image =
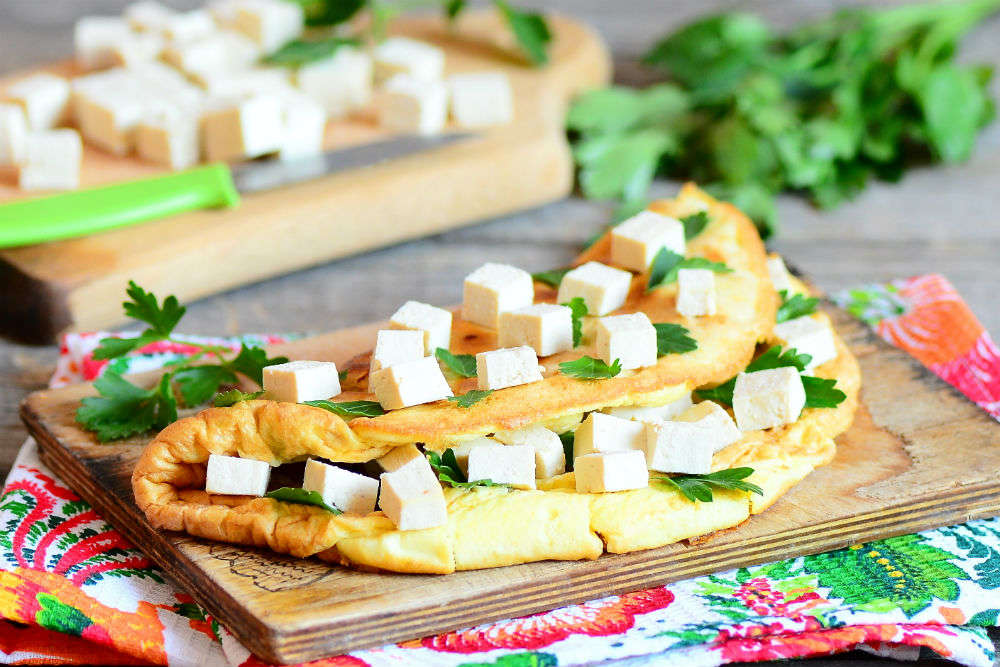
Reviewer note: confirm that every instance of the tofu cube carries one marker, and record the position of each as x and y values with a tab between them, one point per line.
108	111
481	99
94	37
304	127
401	55
44	98
135	48
810	335
695	292
51	161
768	398
13	135
348	491
240	83
434	322
462	449
503	464
676	446
170	136
394	346
611	471
233	476
269	23
493	289
404	455
412	498
652	412
411	105
147	15
635	242
600	433
629	338
189	26
716	420
242	128
299	381
544	327
209	57
341	83
779	274
409	383
601	287
550	457
507	367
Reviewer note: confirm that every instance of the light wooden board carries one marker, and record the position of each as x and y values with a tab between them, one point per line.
52	287
919	455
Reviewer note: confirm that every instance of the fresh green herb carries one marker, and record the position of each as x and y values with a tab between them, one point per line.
288	494
227	399
529	28
579	311
123	409
773	357
552	277
694	224
699	487
567	439
349	409
460	364
298	52
470	398
667	263
448	471
796	306
589	368
822	392
673	339
342	375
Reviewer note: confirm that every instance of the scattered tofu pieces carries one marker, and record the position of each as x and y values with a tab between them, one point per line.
629	338
409	383
170	136
402	55
695	292
233	476
412	498
550	457
51	160
242	128
13	135
433	321
94	38
503	464
481	99
412	105
652	412
269	23
601	433
544	327
779	273
462	449
44	98
677	446
348	491
341	83
493	289
810	334
635	242
507	367
601	287
394	346
299	381
768	398
611	471
397	457
716	420
304	126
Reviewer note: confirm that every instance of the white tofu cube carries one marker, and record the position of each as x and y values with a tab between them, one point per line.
147	15
462	449
394	346
210	57
304	127
170	136
600	433
108	109
544	327
507	367
233	476
695	292
652	412
434	322
401	55
629	338
611	471
769	398
237	83
44	98
348	491
413	499
503	464
136	48
493	289
242	128
779	274
716	420
189	26
13	135
51	161
601	287
341	83
299	381
676	446
409	383
404	455
810	335
635	242
550	457
94	37
223	11
414	106
269	23
481	99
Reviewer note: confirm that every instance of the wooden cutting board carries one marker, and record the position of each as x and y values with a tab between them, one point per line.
918	456
75	284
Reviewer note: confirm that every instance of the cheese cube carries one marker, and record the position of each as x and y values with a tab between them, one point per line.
503	464
602	288
147	15
209	57
265	81
481	99
780	276
695	292
434	322
94	37
401	55
462	449
409	383
269	23
189	26
507	367
13	135
169	136
413	499
716	420
769	398
341	83
135	48
544	327
635	242
550	457
242	128
611	471
810	335
404	455
233	476
411	105
600	433
223	11
652	412
44	98
51	161
629	338
108	115
304	127
299	381
348	491
676	446
493	289
394	346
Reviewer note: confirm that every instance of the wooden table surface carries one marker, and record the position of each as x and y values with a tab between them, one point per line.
941	220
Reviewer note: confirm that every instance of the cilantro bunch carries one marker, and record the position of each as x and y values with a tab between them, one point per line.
818	110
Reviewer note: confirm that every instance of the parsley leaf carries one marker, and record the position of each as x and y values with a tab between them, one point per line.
112	348
589	368
288	494
822	392
774	357
448	471
144	307
199	383
694	224
251	361
673	339
699	487
567	439
123	409
667	263
552	277
460	364
796	306
227	399
470	398
350	408
579	310
530	30
298	52
452	8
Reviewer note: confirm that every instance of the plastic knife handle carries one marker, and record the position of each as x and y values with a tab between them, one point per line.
94	210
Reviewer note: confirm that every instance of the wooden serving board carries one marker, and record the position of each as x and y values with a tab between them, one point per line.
919	455
75	284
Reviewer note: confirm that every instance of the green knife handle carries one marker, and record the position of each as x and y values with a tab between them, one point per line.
97	209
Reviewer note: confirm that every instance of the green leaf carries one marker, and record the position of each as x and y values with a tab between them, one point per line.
299	52
251	362
288	494
616	109
567	439
470	398
452	8
773	357
122	409
667	263
552	277
622	166
954	105
460	364
698	488
144	307
329	12
230	398
349	409
199	383
579	311
448	471
673	339
694	224
822	392
530	30
589	368
798	305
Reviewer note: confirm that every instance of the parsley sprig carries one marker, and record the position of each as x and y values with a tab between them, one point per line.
470	398
694	224
227	399
698	488
350	409
460	364
578	308
289	494
795	306
667	263
589	368
448	471
552	277
673	339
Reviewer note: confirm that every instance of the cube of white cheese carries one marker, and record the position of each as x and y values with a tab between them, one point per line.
768	398
13	135
51	161
411	105
299	381
544	327
434	322
269	23
413	499
348	491
210	57
170	136
809	334
136	48
780	277
601	287
462	449
601	433
611	471
341	83
304	127
695	292
234	476
493	289
409	383
629	338
394	346
481	99
652	412
147	15
109	108
716	420
242	128
189	26
94	37
507	367
550	457
635	242
503	464
402	55
44	98
397	457
676	446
